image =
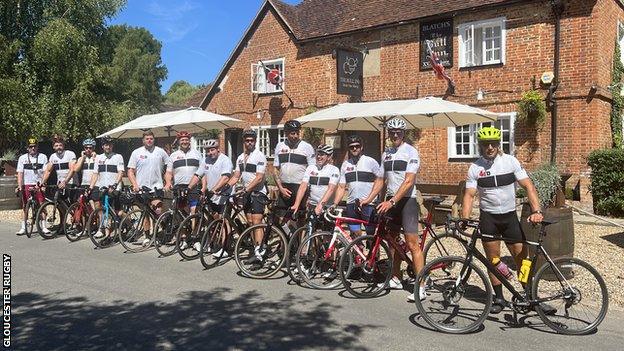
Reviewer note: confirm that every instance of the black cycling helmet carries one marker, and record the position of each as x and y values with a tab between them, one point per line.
250	133
292	126
107	140
354	139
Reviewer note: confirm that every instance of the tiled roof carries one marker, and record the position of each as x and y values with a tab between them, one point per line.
196	99
317	18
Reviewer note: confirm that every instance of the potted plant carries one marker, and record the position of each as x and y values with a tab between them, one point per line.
532	108
9	162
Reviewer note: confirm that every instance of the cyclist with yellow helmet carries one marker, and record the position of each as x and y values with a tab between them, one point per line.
494	176
30	168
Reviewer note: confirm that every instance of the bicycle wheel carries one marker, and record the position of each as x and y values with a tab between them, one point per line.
50	221
217	243
135	231
267	259
189	235
318	259
444	245
102	229
31	219
165	232
576	290
291	259
366	267
459	295
75	222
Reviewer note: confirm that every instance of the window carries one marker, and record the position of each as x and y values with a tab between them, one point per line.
268	137
259	82
621	39
482	43
462	141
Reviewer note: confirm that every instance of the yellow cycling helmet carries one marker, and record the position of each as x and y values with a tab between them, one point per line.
32	141
489	134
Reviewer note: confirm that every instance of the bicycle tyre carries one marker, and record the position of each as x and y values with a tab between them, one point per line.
213	242
73	230
564	264
131	234
448	297
276	247
31	218
94	223
49	207
191	236
307	264
352	267
165	231
454	246
291	258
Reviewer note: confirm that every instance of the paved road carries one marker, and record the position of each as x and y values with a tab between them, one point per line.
70	296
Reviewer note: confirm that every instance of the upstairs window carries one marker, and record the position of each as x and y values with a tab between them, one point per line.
259	80
482	43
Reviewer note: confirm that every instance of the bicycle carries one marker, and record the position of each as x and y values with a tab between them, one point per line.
32	207
139	224
52	212
77	215
559	281
104	222
168	223
367	259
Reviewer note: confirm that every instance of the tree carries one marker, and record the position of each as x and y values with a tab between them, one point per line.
179	92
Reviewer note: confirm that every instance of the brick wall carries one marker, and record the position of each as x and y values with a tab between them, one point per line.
588	35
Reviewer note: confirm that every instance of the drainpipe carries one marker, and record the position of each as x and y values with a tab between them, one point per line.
557	8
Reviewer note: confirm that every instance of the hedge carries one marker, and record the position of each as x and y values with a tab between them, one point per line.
607	181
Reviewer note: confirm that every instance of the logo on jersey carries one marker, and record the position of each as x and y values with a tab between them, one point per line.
484	173
143	157
313	173
349	169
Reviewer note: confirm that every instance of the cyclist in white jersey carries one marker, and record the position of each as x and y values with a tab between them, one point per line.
30	173
358	173
321	179
217	172
107	173
292	157
62	162
86	162
493	176
145	169
250	168
400	163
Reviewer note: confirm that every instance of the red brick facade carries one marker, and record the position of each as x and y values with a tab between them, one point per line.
588	36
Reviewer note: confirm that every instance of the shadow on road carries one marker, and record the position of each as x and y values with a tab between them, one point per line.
197	320
616	238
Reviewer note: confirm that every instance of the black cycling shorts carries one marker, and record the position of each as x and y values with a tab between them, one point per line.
283	203
506	225
405	214
254	203
113	198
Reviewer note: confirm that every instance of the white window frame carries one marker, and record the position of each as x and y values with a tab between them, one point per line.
620	34
263	142
259	83
466	41
472	141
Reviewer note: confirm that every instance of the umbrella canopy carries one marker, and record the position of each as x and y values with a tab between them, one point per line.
194	120
426	112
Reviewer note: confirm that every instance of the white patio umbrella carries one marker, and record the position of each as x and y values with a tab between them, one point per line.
193	120
426	112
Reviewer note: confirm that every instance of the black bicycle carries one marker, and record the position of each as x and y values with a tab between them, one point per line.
568	294
32	211
52	213
168	223
104	222
139	224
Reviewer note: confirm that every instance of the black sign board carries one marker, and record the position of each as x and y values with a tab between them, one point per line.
350	69
439	33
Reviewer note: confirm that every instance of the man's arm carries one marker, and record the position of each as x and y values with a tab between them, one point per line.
234	178
303	187
340	191
536	215
20	180
469	196
378	185
255	182
132	178
327	195
46	174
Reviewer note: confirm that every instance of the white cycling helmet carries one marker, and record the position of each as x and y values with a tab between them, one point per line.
326	149
396	123
210	143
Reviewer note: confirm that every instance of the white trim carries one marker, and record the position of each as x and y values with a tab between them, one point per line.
258	74
261	130
474	153
462	28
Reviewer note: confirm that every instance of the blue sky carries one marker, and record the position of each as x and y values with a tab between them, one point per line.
197	35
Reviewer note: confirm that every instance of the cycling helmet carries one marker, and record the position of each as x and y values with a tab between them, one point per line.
107	140
183	134
250	133
210	143
354	139
32	141
489	134
325	149
88	142
291	126
396	123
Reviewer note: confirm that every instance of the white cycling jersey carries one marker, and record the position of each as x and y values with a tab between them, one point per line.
149	166
32	168
396	162
319	179
249	165
292	162
495	180
107	168
60	164
214	169
184	165
359	175
88	165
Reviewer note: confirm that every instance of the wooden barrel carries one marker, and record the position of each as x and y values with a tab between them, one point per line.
559	239
8	200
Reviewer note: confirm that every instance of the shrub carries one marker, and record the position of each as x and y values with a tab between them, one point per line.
546	179
607	181
532	108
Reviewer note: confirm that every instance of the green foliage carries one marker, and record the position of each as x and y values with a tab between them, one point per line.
9	155
546	179
617	104
607	181
531	108
179	92
314	136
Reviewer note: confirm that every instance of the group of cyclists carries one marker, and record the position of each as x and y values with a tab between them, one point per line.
307	180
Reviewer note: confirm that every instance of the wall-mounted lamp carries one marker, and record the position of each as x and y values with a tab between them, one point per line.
480	94
259	114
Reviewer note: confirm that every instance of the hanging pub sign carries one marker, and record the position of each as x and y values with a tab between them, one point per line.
439	33
350	72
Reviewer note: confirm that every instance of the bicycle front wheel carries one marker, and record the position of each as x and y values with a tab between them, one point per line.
291	259
576	290
260	259
366	267
31	218
75	222
101	228
50	222
318	260
136	231
189	235
444	245
458	298
165	232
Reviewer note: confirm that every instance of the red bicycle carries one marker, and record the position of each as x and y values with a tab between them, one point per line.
77	215
366	263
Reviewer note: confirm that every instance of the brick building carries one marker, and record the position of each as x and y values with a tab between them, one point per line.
498	50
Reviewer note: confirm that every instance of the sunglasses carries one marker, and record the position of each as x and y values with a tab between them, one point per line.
250	141
355	146
493	144
321	154
88	147
32	146
396	132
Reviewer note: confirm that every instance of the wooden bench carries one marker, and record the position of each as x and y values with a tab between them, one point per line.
434	194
